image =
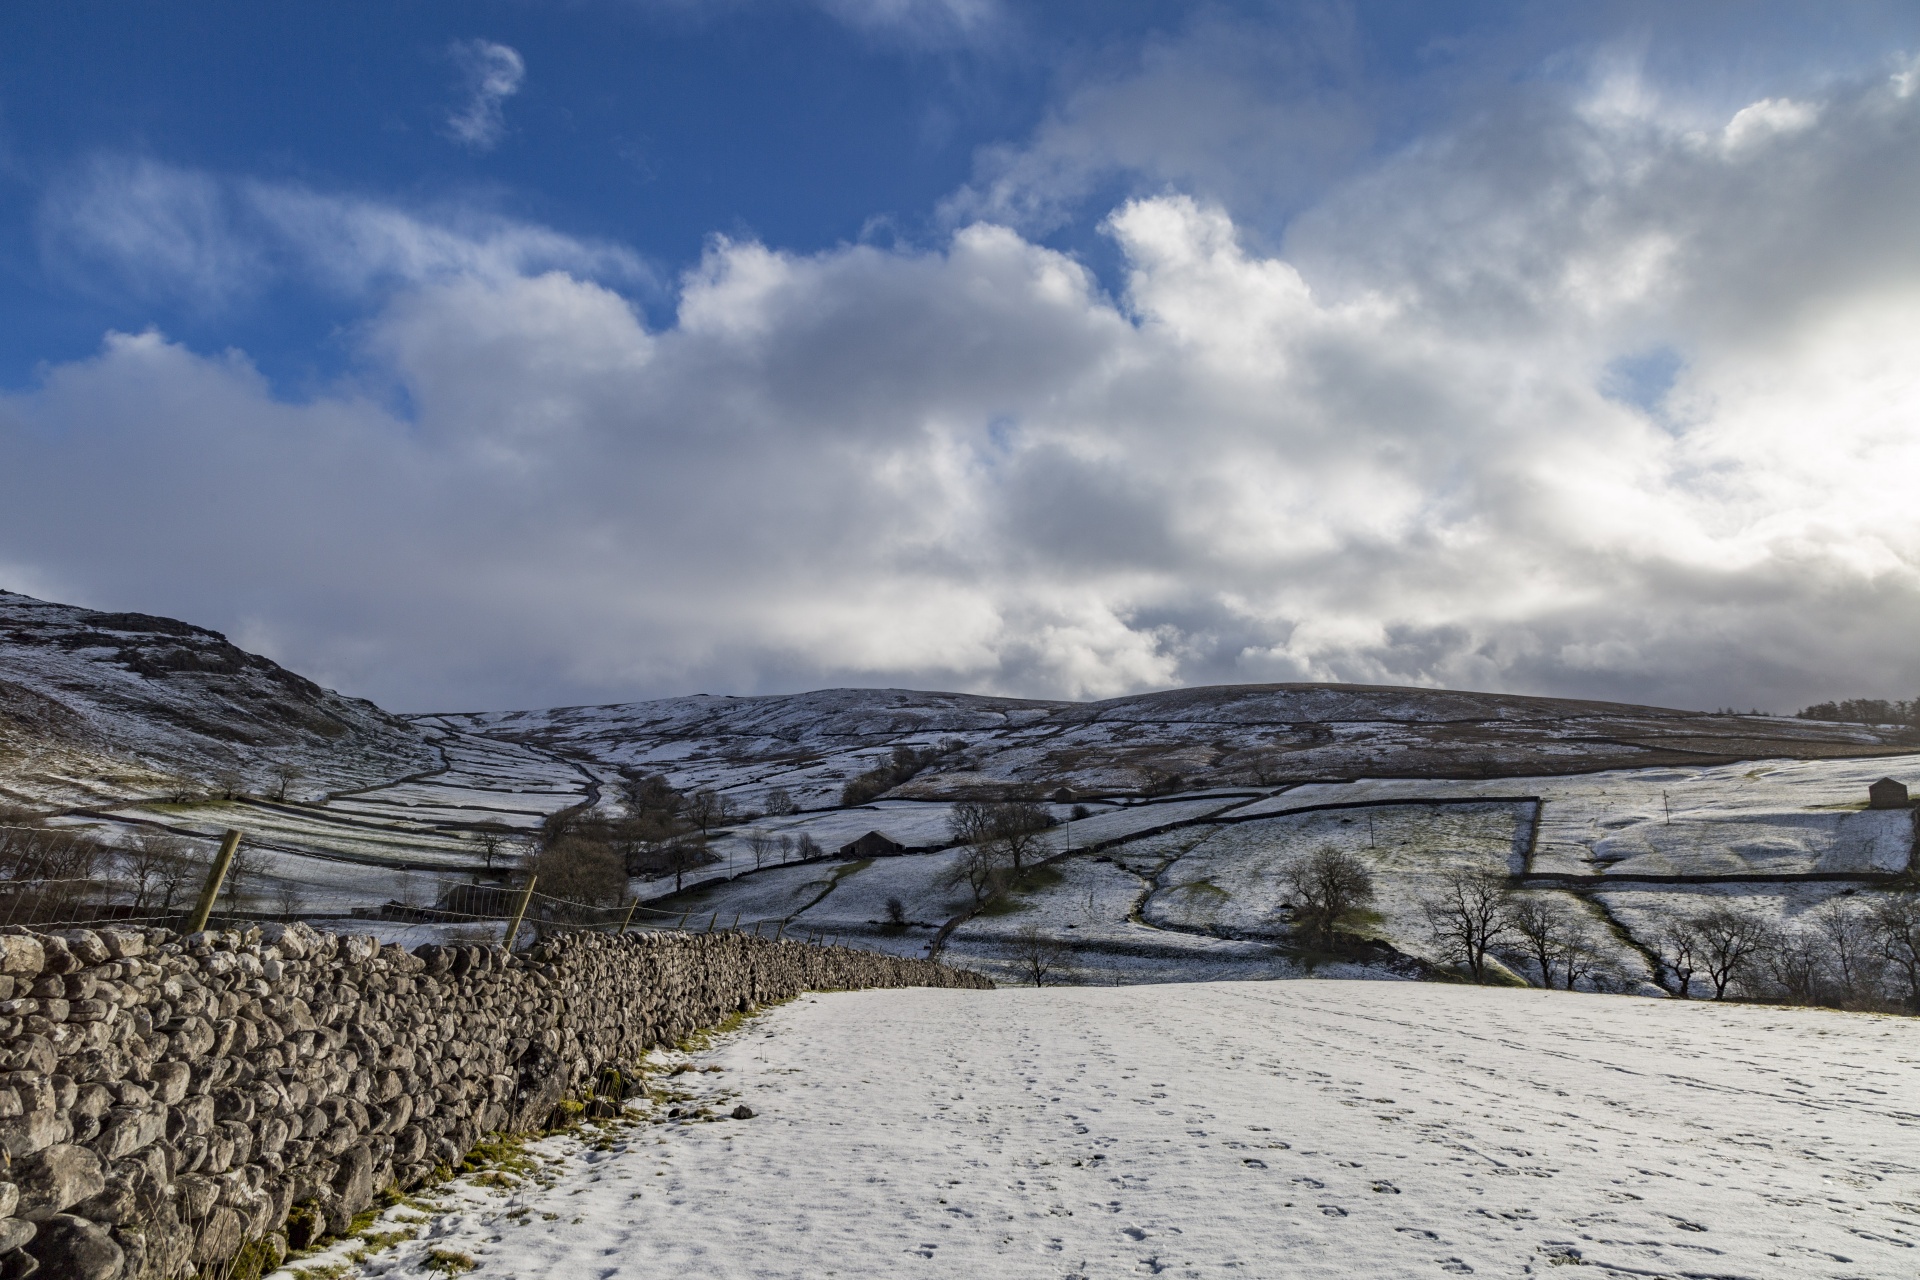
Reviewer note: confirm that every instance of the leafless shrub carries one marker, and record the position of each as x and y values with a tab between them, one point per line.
778	802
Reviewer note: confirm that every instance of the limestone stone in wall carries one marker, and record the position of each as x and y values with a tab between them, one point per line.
166	1101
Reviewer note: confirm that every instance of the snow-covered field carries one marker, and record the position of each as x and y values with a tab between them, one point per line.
1291	1129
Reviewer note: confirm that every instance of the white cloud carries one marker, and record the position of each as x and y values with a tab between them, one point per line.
1393	450
490	74
150	230
927	21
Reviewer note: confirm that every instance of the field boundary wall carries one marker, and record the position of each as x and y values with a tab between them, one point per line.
169	1105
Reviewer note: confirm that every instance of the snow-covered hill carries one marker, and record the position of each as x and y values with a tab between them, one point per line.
100	707
1234	735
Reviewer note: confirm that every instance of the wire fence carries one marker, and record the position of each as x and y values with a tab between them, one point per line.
59	878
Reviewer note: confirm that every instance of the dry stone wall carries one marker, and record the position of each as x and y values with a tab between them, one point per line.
170	1104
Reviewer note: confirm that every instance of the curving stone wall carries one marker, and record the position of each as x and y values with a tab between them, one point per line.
167	1103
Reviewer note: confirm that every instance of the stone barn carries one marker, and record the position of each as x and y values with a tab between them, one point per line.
1887	794
874	844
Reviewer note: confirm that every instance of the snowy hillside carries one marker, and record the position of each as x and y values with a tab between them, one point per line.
1238	735
98	707
1299	1129
1190	886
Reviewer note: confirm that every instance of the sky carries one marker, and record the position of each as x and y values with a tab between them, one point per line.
503	354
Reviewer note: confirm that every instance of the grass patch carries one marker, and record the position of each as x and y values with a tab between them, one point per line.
1032	880
501	1153
449	1262
1206	889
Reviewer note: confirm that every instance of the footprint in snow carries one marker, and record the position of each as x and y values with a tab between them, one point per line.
1333	1211
1251	1163
1311	1184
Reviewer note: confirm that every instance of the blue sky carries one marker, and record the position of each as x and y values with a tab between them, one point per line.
1064	349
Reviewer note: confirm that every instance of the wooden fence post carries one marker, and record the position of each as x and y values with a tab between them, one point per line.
629	920
520	911
229	845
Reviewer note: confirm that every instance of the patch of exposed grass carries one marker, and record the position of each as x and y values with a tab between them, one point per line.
449	1262
1205	889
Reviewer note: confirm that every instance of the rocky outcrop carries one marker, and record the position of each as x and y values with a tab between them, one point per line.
167	1102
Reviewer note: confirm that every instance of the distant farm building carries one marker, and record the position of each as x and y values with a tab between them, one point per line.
1887	794
876	845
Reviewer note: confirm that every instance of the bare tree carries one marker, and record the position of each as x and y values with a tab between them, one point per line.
1896	919
786	848
1326	886
157	868
1853	954
243	876
229	784
1586	961
707	809
778	802
493	839
896	912
288	900
1796	962
985	868
1680	951
581	870
807	848
762	846
683	855
1544	931
1468	917
1041	956
284	776
1015	828
1732	942
649	793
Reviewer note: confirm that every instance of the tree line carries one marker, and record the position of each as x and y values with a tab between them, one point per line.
1864	711
1849	953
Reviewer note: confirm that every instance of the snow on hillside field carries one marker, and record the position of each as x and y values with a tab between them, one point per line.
1224	736
1759	817
1286	1130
